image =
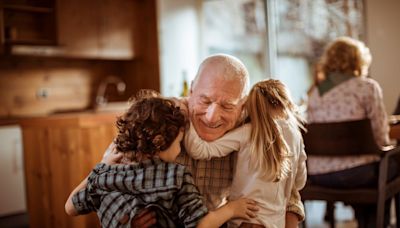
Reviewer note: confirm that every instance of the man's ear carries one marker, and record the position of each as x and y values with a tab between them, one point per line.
243	100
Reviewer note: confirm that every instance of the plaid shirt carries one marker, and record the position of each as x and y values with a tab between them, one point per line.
212	177
119	190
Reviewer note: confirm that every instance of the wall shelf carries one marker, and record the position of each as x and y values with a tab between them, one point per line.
32	9
27	23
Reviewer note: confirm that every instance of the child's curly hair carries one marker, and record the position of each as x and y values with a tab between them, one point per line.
149	126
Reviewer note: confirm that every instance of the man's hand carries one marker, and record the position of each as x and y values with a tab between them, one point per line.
144	219
112	158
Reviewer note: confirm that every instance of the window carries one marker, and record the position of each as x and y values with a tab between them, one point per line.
237	28
302	29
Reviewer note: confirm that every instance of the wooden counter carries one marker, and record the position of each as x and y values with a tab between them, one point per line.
59	152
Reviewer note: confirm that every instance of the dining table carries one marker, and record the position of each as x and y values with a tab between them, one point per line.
394	122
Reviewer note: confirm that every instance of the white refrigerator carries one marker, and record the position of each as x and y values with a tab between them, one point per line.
12	197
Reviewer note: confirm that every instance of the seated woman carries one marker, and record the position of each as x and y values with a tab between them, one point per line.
342	92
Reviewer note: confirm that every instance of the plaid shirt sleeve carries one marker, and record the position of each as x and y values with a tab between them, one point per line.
190	203
82	202
86	201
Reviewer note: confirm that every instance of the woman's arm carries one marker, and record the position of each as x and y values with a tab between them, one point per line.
376	112
201	149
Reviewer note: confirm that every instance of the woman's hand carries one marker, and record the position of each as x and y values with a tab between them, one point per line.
243	208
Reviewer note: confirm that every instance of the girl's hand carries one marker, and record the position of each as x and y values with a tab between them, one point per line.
243	208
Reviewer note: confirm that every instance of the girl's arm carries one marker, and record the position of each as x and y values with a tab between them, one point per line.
192	211
201	149
241	208
295	208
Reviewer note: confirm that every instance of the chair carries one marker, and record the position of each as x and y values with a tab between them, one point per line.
351	138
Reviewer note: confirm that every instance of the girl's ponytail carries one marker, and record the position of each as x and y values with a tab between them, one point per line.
268	101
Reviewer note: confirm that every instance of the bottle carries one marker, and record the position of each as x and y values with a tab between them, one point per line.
185	87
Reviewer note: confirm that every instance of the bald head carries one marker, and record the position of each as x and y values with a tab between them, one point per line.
217	95
228	68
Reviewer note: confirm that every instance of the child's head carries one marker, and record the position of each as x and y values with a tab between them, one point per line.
153	125
270	96
269	100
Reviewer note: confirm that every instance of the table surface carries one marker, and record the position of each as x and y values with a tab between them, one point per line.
394	121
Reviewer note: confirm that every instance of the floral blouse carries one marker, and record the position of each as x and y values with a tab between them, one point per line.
354	99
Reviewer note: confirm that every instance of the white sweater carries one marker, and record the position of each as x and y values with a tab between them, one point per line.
272	197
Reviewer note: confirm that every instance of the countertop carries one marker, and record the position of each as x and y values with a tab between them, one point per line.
85	118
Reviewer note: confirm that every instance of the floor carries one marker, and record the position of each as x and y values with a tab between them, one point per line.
14	221
315	213
344	215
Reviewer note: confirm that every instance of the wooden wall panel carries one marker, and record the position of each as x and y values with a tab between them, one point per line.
70	84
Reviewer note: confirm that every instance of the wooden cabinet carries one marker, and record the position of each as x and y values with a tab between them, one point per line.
89	29
24	22
59	152
98	29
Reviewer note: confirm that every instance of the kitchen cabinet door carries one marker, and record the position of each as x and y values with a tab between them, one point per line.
116	29
59	154
96	29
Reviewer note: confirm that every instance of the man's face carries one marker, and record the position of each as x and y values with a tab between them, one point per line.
215	104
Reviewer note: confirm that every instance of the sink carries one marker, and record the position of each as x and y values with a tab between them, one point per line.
119	106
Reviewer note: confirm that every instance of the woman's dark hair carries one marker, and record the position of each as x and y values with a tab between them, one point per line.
149	126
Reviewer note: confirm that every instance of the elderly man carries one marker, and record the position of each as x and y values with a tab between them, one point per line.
215	105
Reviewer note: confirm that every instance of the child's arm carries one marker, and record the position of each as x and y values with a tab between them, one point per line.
201	149
241	208
80	195
69	205
192	211
295	208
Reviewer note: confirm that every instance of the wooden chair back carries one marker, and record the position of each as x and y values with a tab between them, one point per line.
351	138
340	138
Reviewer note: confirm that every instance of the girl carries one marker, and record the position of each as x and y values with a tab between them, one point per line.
271	159
149	135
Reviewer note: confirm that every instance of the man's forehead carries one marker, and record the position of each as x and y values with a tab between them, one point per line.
221	99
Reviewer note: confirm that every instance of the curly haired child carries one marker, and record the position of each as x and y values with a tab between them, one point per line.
149	135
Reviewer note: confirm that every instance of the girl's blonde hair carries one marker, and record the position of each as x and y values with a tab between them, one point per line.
270	100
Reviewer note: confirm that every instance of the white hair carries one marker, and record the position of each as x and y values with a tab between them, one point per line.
231	67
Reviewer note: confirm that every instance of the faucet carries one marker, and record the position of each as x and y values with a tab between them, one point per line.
101	91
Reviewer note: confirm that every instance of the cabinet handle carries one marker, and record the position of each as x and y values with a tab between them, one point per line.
17	156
